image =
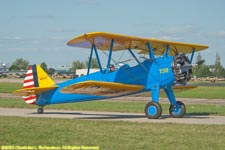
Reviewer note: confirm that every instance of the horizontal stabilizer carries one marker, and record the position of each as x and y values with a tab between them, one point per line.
101	88
33	90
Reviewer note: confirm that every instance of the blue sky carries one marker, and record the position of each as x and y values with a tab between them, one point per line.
38	30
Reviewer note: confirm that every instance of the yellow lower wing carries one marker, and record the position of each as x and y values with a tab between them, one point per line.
179	88
101	88
33	91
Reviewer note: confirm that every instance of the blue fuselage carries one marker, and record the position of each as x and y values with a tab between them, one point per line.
148	74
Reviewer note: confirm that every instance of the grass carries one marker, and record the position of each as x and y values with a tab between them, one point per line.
209	92
207	82
16	131
115	106
7	87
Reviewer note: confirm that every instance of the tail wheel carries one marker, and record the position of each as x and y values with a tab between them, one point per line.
40	110
153	110
178	110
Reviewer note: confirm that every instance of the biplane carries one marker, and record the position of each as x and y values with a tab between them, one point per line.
164	66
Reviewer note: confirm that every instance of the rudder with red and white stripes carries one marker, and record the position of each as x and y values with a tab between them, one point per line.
29	82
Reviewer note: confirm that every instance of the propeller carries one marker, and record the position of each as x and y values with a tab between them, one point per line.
198	63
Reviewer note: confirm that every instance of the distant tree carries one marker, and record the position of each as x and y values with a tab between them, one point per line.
204	71
197	69
199	58
19	64
218	68
94	63
77	65
51	71
44	66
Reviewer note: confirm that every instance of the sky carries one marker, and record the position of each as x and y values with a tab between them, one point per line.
38	31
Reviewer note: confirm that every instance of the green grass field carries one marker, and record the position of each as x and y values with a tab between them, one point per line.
18	131
6	87
108	134
209	92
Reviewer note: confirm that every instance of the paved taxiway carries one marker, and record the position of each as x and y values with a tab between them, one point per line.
112	116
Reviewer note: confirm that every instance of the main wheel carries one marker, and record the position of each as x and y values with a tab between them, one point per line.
178	110
40	110
153	110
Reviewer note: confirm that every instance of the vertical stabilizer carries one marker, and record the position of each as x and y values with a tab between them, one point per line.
35	77
29	83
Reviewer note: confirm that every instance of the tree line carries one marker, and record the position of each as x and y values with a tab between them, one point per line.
201	70
22	64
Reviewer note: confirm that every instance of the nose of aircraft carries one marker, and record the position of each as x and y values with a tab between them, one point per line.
182	68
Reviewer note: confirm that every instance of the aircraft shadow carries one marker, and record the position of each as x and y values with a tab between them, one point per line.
202	113
97	116
110	116
59	113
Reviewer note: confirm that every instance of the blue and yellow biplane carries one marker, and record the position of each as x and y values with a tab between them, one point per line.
166	65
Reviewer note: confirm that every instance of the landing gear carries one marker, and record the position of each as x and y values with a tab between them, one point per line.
153	110
40	110
178	110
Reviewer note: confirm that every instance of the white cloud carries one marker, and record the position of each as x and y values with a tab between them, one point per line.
178	30
170	38
41	17
11	38
62	30
58	38
88	2
22	49
220	34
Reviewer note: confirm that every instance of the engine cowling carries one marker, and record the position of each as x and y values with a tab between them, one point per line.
182	68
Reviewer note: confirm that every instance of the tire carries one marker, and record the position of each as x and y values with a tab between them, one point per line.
153	110
40	110
178	110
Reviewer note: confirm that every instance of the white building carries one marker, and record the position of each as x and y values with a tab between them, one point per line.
81	72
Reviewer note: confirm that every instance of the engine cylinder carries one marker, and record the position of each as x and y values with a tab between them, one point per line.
182	68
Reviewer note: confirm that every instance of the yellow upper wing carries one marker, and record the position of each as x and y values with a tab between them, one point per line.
102	41
101	88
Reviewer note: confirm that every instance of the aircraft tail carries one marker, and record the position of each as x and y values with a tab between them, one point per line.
37	77
36	81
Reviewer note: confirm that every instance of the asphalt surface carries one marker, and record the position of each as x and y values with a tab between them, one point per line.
113	116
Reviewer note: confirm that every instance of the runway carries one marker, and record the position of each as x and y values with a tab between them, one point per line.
113	116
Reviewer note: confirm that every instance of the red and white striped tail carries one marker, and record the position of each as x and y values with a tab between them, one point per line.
29	83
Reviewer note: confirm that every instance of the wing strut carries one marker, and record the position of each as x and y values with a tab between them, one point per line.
110	54
93	48
192	55
137	60
96	53
167	50
90	58
151	53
